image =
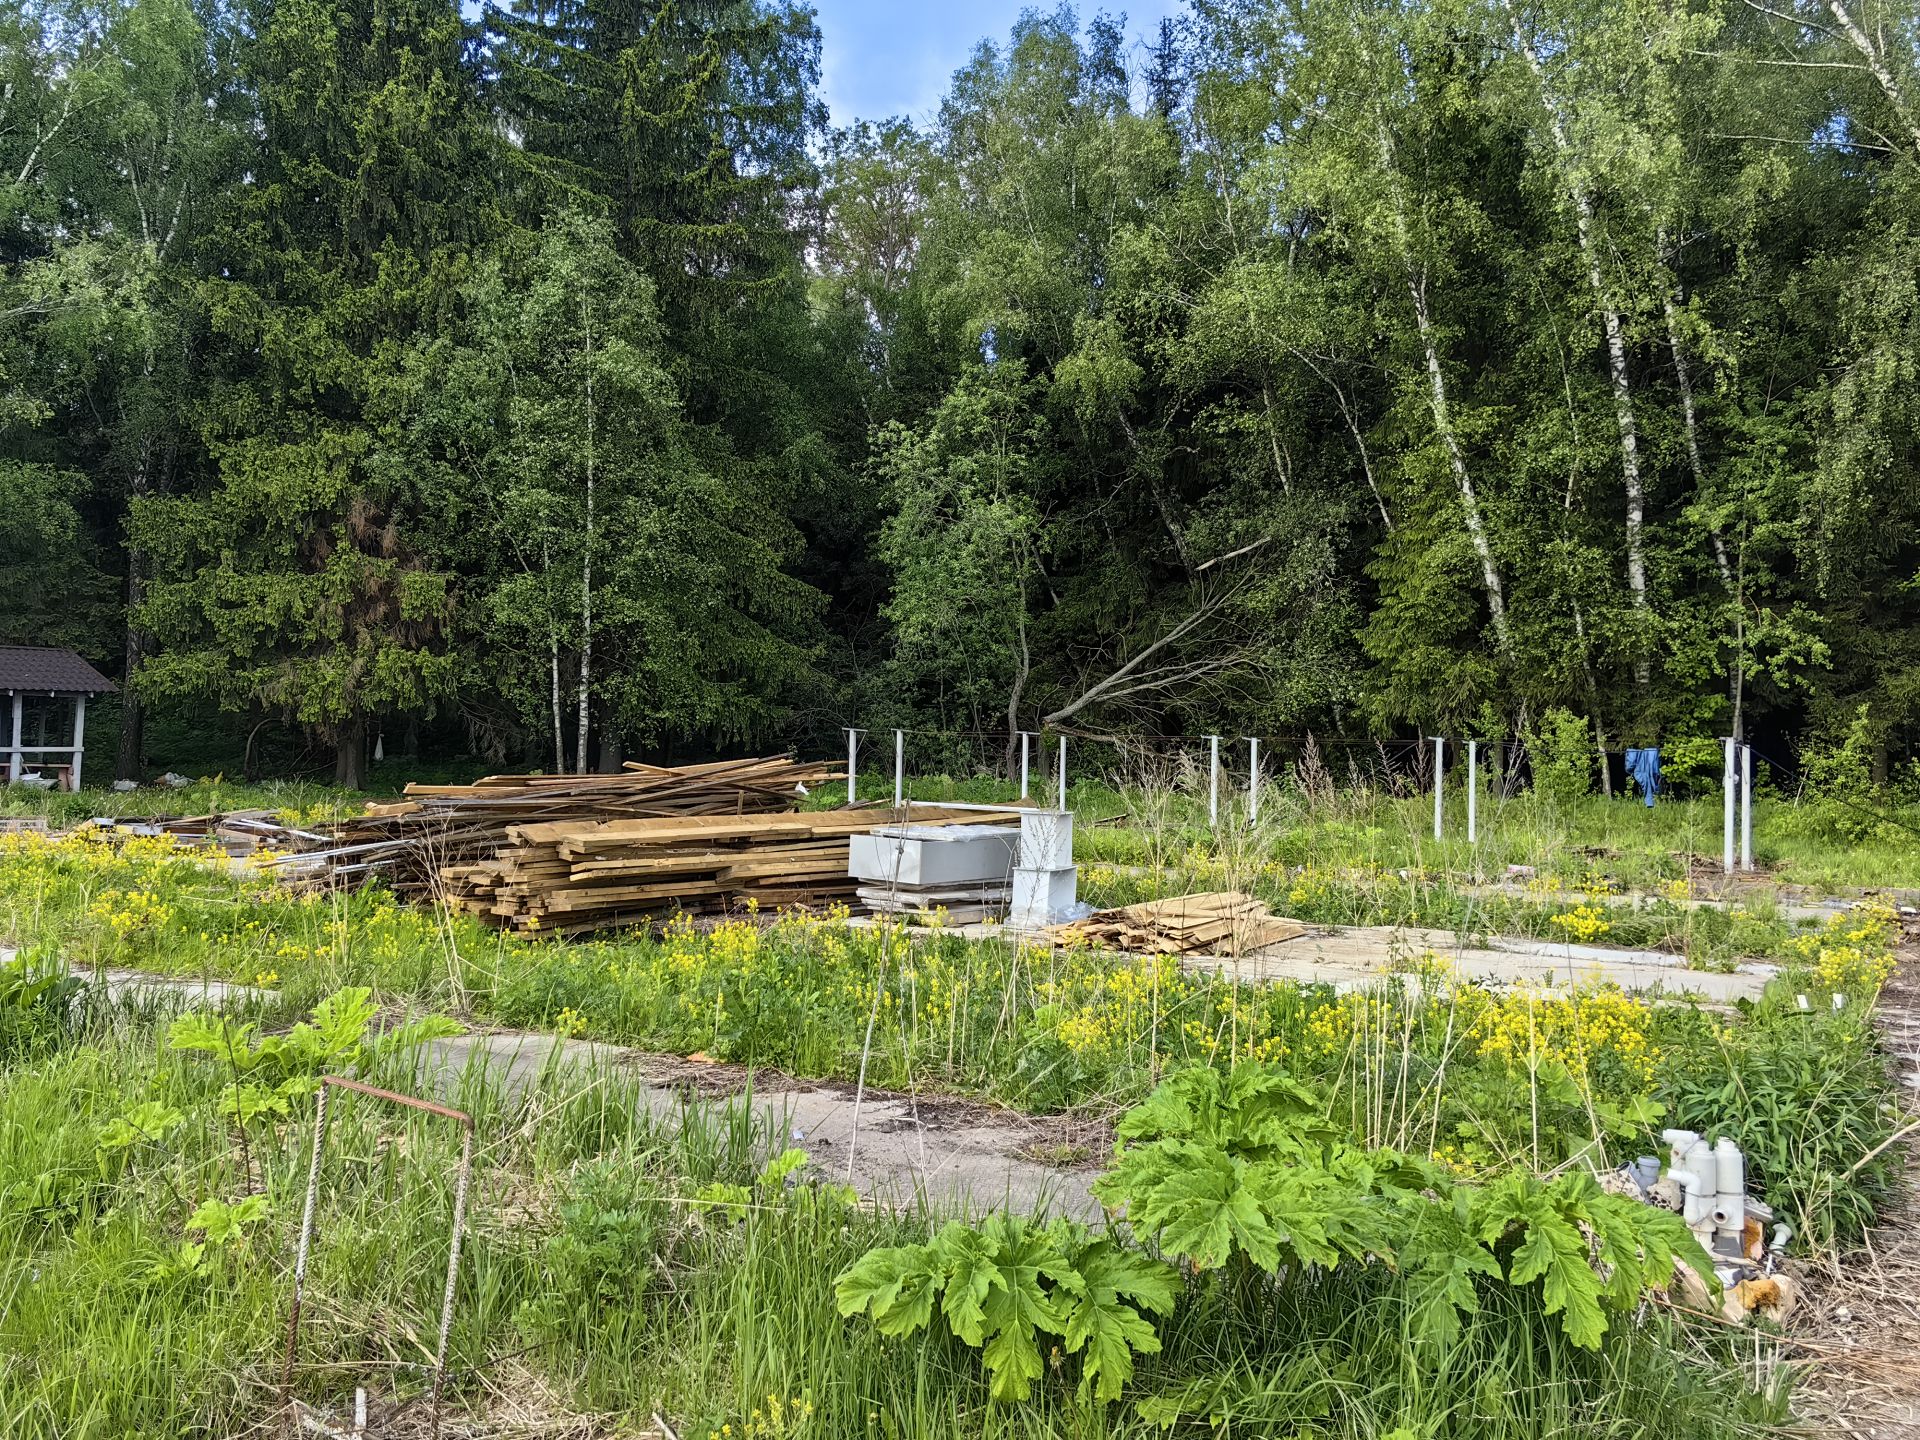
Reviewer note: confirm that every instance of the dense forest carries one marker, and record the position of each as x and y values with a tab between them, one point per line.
550	383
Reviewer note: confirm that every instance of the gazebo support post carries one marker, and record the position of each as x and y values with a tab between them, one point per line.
79	739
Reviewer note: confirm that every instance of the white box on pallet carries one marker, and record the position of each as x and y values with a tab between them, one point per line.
936	855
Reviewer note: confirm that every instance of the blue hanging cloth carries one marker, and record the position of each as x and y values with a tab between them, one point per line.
1643	768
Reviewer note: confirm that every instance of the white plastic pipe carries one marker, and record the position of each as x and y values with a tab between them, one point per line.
1729	782
1439	789
1026	761
80	740
853	756
899	768
1062	805
1213	781
1473	791
1746	807
1253	780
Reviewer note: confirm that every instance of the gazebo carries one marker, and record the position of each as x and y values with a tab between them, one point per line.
47	691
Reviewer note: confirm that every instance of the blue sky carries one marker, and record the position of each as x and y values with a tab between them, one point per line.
895	57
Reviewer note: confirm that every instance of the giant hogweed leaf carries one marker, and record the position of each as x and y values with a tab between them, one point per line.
339	1026
1639	1246
1204	1209
1440	1256
971	1266
1321	1216
215	1035
1247	1112
1553	1251
1101	1321
1014	1309
895	1285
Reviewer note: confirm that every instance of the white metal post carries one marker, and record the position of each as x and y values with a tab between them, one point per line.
1213	781
1062	805
80	740
1746	807
1729	782
899	768
1439	790
13	757
1473	791
1253	780
853	756
1026	762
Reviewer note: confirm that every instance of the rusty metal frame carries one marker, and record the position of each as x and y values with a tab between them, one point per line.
329	1083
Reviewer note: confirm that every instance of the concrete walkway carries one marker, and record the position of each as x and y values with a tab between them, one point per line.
1354	957
896	1150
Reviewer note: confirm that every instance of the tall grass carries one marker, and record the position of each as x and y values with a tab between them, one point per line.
593	1283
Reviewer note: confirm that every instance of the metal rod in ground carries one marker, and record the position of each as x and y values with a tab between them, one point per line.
1746	807
301	1251
460	1187
1213	781
1062	805
1729	781
1473	791
853	756
899	768
1439	787
1253	780
1026	762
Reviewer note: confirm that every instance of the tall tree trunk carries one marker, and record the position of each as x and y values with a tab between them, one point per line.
1877	67
586	563
1437	396
1691	423
1631	480
131	763
1697	467
350	754
559	726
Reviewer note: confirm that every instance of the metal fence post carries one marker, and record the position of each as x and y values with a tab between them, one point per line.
1213	781
1253	780
1729	783
1473	791
1439	788
853	755
899	768
1746	807
1062	802
1026	761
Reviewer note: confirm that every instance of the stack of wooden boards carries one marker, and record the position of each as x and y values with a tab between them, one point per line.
409	841
569	877
1224	922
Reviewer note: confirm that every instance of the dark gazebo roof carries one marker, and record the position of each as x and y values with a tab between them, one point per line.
50	671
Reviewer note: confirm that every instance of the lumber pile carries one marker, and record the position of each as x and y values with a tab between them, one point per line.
572	877
1223	921
409	841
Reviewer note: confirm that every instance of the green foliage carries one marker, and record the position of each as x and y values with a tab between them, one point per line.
38	1003
1839	802
1561	753
223	1229
1003	1285
271	1073
1242	1167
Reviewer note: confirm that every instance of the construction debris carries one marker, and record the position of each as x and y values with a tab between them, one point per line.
1226	921
408	842
572	877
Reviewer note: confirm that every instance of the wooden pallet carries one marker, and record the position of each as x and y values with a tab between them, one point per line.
1224	921
572	877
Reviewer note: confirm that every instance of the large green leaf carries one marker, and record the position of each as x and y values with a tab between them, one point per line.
895	1285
